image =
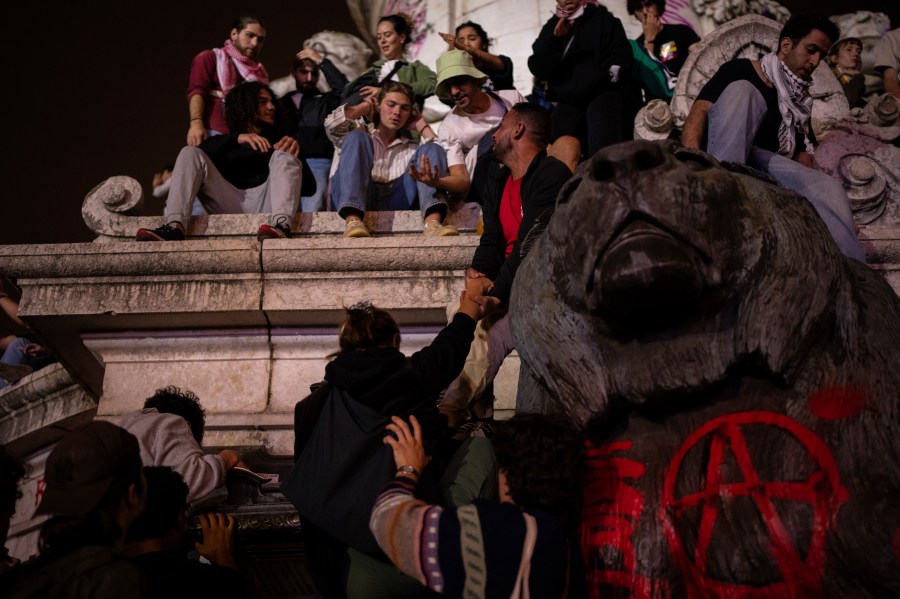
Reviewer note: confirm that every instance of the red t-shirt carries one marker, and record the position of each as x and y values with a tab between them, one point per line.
511	212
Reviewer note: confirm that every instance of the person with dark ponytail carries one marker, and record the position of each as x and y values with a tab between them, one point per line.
342	462
393	35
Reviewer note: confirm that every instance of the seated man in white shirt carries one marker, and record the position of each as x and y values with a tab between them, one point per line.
465	133
376	161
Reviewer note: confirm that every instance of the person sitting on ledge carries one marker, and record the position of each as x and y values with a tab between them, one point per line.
376	161
523	546
253	169
170	430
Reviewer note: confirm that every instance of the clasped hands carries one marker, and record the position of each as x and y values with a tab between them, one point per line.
261	144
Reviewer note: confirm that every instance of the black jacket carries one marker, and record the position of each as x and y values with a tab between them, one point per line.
387	381
576	76
307	125
542	181
342	461
244	167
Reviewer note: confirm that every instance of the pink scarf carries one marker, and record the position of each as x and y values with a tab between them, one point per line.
574	13
230	62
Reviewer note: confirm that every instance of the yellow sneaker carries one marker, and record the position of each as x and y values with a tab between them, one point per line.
435	229
356	228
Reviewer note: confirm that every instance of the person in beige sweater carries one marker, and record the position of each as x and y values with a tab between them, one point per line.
170	430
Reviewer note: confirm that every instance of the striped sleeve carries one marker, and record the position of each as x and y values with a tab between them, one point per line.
406	529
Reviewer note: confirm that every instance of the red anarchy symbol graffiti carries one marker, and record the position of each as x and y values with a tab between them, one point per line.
822	491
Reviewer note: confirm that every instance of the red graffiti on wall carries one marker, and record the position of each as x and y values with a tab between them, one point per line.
39	492
822	491
612	511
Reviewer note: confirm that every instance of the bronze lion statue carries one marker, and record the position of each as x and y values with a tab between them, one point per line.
739	377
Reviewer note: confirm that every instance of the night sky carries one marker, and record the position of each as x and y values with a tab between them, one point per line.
104	88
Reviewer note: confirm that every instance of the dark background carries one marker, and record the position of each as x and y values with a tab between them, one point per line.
99	90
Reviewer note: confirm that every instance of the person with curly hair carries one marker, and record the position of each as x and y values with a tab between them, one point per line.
523	546
253	169
170	430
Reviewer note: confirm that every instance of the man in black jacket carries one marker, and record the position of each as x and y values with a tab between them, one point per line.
518	187
303	113
584	58
252	169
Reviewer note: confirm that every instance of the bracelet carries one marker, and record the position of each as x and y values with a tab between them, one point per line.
653	41
408	470
196	119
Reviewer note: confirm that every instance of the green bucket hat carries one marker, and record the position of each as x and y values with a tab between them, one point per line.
455	63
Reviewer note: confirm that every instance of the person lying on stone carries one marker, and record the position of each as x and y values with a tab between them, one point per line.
523	546
376	161
252	169
170	430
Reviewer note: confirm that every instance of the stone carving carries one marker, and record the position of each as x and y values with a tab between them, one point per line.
750	36
365	14
713	13
654	121
739	375
108	211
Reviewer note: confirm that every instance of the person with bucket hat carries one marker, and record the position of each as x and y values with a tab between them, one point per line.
94	489
476	113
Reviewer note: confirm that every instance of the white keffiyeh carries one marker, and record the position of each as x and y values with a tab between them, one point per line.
794	104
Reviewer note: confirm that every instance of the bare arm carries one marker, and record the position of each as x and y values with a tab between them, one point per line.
196	131
456	182
695	124
891	85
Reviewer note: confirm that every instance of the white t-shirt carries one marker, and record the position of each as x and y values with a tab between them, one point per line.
460	132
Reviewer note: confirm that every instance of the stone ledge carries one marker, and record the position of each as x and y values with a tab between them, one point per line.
38	410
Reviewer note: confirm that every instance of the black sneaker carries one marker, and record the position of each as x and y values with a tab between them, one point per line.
165	233
280	230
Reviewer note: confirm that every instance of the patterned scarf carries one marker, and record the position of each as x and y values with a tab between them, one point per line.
573	13
794	104
230	62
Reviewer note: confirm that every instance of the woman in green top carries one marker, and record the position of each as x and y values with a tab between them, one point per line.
393	35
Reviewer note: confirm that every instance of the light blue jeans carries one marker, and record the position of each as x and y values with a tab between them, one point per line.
320	168
15	354
352	187
733	122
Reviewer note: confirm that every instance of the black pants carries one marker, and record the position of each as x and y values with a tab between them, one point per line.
601	124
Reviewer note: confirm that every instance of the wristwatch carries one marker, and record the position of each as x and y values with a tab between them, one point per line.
408	470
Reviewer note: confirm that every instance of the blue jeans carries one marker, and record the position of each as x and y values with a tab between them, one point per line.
733	122
15	354
352	187
320	168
